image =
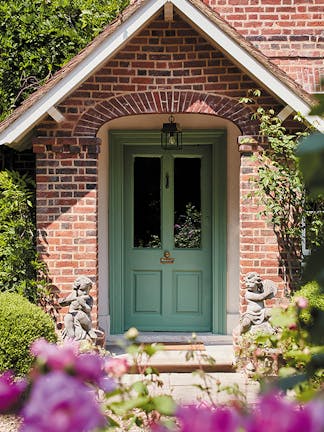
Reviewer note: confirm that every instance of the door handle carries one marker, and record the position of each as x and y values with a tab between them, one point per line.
167	181
166	259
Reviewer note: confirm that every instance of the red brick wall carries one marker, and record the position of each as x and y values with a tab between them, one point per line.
167	67
258	245
289	32
163	58
66	195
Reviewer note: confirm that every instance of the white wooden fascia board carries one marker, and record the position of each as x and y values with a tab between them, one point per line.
109	46
255	68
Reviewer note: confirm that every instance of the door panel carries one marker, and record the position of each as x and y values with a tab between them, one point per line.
188	292
147	291
167	236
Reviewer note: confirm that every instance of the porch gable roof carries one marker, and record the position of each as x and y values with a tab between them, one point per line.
116	35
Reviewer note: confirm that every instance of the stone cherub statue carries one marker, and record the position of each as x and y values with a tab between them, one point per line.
77	321
257	315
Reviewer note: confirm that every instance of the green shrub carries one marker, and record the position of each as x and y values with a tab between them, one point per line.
21	323
20	266
311	291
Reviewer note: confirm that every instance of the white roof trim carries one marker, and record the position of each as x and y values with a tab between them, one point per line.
15	131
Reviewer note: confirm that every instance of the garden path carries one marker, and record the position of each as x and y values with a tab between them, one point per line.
176	371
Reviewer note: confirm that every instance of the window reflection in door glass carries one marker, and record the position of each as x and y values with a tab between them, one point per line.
147	202
187	203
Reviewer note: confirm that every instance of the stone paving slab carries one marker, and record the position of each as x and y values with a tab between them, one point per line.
184	390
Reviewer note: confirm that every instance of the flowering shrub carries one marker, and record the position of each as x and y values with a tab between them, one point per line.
72	391
292	352
273	413
10	391
64	391
61	403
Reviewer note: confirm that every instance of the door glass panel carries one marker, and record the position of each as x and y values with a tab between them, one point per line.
147	202
187	203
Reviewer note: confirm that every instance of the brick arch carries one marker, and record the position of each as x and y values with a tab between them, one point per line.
159	102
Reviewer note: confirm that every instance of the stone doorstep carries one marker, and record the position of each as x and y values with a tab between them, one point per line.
174	361
175	337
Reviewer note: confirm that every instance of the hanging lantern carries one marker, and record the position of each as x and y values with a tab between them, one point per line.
171	135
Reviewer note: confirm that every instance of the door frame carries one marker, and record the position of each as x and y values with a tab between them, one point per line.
118	139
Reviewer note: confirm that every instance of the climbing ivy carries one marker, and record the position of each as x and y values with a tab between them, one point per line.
37	37
281	191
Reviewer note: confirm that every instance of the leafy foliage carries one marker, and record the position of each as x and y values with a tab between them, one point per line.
188	228
291	178
315	299
19	263
37	37
281	191
20	324
310	149
290	352
300	351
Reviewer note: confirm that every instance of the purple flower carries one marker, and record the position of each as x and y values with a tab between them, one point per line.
315	410
61	403
196	419
89	367
56	357
10	391
275	413
107	384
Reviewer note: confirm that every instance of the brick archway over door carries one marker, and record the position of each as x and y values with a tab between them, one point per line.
159	102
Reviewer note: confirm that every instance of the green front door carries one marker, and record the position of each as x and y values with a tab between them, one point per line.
167	239
167	232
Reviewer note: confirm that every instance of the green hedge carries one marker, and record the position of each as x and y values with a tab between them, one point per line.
21	322
311	291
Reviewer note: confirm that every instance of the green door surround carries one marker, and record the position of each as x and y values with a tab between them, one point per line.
118	140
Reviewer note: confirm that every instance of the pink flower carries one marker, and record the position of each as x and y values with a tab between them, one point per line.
156	427
10	391
61	403
301	302
56	357
293	326
116	366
